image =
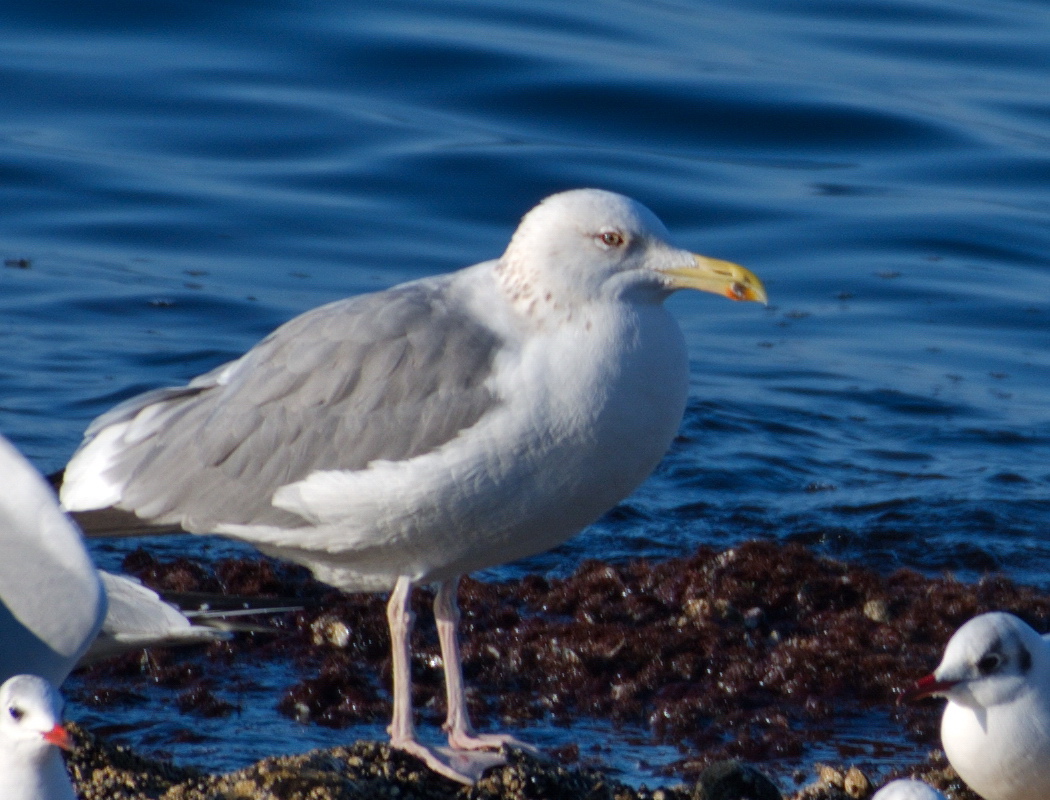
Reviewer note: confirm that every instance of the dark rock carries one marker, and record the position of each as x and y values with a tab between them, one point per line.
734	780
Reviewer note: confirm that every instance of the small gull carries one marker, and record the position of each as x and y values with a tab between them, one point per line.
31	768
52	603
413	435
56	609
907	789
996	726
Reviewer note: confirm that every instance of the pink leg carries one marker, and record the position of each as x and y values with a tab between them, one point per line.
400	618
461	735
461	768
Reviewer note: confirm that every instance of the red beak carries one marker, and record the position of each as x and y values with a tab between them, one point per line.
59	737
924	688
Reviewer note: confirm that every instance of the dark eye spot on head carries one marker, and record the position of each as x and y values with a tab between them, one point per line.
16	713
989	663
1024	659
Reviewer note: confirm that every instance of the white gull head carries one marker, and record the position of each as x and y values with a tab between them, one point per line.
589	245
907	789
995	730
31	767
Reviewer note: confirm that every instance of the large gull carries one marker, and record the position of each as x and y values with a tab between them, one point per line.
413	435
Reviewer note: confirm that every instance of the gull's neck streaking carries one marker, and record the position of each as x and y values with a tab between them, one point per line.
560	258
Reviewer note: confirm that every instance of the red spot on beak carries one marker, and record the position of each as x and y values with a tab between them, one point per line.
59	737
924	688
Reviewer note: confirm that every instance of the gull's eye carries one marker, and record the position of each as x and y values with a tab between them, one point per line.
610	239
989	663
16	713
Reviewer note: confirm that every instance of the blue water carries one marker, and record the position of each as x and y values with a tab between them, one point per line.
177	178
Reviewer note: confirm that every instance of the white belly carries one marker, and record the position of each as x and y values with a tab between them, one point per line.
1000	754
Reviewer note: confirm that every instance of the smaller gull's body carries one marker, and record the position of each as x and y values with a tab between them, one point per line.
31	733
996	726
907	789
52	603
56	609
442	426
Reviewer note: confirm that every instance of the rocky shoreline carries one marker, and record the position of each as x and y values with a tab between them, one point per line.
744	656
371	770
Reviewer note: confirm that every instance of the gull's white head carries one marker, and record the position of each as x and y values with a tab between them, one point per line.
989	661
30	718
589	244
907	789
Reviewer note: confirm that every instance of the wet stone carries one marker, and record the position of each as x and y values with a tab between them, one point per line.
856	784
733	780
877	611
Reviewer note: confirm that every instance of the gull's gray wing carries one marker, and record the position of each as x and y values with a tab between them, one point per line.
387	376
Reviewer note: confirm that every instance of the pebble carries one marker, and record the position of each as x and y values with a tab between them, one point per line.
856	784
877	611
329	629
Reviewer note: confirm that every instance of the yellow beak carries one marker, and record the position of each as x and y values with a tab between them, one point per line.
719	277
